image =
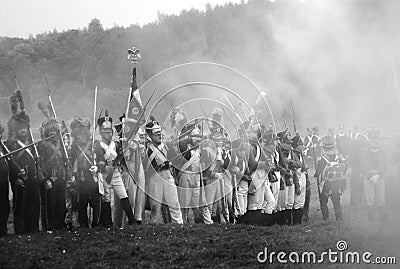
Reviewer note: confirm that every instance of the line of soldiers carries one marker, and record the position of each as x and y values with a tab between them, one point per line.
260	178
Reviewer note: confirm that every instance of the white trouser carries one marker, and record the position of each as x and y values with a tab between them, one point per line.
242	191
374	192
290	196
269	199
136	196
117	185
162	189
299	200
190	194
275	188
282	197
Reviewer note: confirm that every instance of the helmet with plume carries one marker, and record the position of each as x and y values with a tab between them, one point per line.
19	119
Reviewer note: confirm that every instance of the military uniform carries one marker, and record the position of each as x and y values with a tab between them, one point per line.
81	160
26	195
330	170
192	171
109	154
374	163
287	186
132	173
301	175
161	186
8	173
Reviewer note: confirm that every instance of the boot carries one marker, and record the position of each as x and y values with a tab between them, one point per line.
288	216
280	218
126	206
105	214
297	216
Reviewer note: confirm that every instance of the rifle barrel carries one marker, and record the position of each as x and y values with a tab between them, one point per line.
25	147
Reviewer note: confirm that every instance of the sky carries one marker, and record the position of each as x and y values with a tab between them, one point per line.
20	18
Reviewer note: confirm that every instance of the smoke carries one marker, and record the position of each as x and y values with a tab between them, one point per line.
334	60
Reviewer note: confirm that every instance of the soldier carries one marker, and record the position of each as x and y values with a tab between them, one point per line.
161	184
218	183
269	145
290	185
374	164
8	173
26	198
193	169
301	175
330	175
109	154
342	141
357	143
54	170
243	184
238	169
82	160
132	175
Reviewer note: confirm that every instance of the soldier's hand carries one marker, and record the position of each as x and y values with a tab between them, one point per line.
20	183
48	185
218	175
93	169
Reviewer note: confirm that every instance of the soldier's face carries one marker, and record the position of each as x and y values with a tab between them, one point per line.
22	134
81	137
106	135
156	138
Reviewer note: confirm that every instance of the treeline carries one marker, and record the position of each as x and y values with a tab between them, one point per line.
246	36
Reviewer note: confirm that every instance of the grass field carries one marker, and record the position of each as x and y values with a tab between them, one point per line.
154	246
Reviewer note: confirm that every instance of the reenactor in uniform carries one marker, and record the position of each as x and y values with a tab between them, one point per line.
193	169
81	160
8	173
288	186
330	173
238	169
54	170
109	154
301	175
269	145
132	175
342	142
261	201
357	143
242	161
160	182
26	194
374	163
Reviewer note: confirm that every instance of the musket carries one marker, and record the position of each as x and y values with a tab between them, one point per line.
25	147
284	113
64	149
230	118
318	182
94	124
294	117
